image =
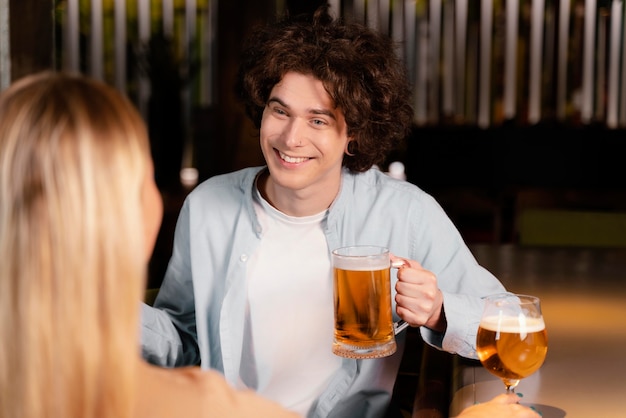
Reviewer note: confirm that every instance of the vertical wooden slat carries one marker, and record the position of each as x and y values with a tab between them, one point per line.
588	61
96	58
447	69
484	98
383	16
190	22
190	47
548	67
510	58
358	11
144	29
472	69
143	21
373	20
71	38
5	46
562	54
536	54
397	25
208	53
460	55
120	45
409	34
614	60
622	98
434	49
600	78
335	7
168	18
420	91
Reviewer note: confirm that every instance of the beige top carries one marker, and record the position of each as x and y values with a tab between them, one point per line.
191	392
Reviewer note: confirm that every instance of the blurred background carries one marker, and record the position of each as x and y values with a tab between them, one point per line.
520	105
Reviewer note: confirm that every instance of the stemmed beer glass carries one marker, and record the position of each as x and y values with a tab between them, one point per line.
512	342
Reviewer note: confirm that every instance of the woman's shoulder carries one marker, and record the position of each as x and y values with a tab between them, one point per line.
192	392
225	401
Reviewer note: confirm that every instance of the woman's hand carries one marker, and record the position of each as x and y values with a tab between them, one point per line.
502	406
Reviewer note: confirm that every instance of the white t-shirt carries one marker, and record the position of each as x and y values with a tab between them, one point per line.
287	353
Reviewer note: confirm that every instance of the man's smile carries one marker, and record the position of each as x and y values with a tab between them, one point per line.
289	159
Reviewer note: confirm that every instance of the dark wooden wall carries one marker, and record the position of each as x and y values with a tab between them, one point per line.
32	36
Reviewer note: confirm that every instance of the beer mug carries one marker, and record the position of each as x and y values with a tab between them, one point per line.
364	326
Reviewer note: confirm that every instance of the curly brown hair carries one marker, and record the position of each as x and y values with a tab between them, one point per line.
358	67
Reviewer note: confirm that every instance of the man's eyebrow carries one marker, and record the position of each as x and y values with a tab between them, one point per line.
325	112
277	100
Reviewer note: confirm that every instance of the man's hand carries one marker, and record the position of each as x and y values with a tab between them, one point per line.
418	298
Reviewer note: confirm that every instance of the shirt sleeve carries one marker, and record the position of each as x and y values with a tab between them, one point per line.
169	336
463	282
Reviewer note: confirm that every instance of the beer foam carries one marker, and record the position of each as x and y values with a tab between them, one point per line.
512	324
360	263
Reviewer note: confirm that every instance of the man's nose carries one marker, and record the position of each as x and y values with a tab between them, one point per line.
294	132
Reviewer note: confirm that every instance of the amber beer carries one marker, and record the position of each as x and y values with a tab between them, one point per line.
510	348
362	296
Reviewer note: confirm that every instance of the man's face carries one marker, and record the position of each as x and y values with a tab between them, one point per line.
303	137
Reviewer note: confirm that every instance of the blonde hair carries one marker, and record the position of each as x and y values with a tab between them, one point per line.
73	155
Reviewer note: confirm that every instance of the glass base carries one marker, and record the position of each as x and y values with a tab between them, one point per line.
364	351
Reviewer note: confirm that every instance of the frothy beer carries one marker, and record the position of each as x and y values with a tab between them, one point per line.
363	318
512	348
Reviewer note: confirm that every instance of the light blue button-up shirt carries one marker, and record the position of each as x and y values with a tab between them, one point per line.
198	316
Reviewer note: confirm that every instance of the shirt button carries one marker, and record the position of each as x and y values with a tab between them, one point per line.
243	257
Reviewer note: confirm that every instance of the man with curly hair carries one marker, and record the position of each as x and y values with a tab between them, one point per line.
248	290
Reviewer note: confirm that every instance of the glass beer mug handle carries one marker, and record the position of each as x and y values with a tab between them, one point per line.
397	263
400	325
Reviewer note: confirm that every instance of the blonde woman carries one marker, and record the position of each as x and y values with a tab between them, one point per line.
79	214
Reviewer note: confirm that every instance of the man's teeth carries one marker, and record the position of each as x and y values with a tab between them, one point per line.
292	159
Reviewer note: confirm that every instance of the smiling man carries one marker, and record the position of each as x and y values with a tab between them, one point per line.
248	290
303	138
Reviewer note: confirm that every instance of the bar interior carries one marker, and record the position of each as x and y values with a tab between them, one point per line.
519	133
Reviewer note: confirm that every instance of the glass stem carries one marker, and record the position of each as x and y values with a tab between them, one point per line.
510	385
